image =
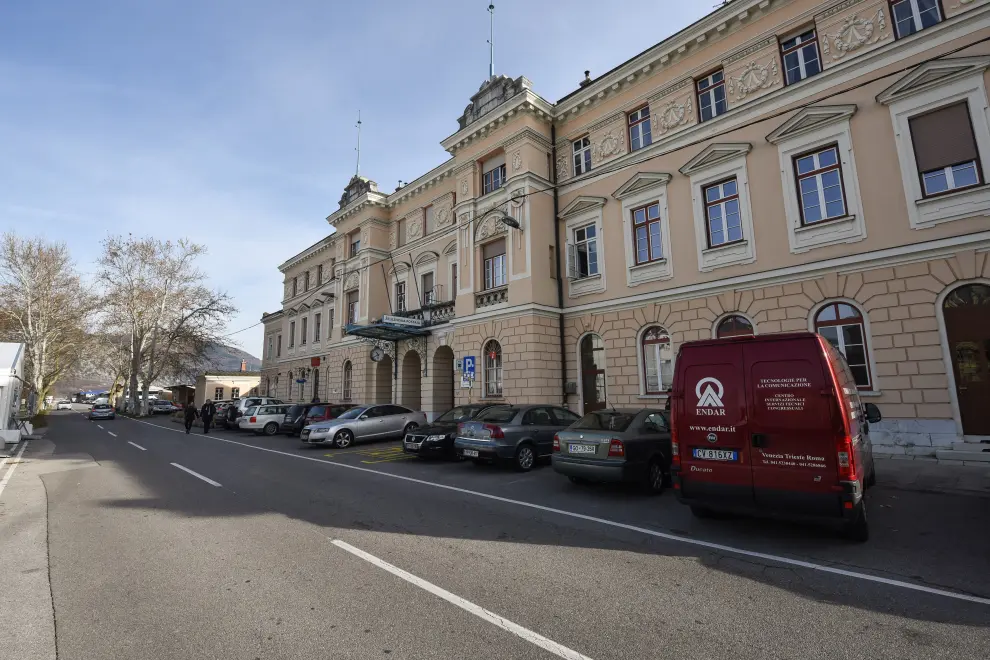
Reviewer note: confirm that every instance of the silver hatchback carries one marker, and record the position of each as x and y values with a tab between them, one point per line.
365	422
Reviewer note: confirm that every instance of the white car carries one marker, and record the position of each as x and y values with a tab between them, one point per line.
262	419
63	405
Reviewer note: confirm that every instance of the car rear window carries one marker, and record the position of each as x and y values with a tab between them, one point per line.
295	411
603	420
498	414
101	406
336	411
317	411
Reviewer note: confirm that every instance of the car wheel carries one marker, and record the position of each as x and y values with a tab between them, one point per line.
410	427
271	428
858	529
656	477
871	480
525	458
343	439
580	481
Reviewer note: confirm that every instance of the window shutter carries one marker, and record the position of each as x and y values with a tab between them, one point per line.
494	249
572	270
943	137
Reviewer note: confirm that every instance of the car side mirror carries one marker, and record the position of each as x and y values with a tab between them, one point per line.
872	413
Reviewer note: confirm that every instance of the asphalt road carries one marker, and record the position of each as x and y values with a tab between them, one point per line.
270	550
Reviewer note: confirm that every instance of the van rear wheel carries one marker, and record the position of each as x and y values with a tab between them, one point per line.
858	529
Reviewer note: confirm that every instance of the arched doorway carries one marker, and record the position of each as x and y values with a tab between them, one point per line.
443	380
593	373
383	380
966	312
412	385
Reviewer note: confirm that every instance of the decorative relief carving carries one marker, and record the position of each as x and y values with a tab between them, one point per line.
754	77
418	344
365	237
490	226
746	52
464	218
563	167
855	33
464	187
517	161
444	216
611	144
392	242
672	115
352	280
414	228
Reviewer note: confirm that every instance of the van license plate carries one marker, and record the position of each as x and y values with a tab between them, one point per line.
470	453
715	454
581	449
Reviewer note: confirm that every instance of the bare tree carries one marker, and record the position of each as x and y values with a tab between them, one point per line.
44	304
161	301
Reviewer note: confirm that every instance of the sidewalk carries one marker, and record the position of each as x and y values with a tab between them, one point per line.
931	476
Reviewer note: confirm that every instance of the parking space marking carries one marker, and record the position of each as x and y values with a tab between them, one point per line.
787	561
525	633
112	433
139	447
198	475
99	427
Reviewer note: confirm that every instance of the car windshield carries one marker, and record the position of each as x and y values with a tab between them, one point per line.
604	420
498	414
459	414
353	413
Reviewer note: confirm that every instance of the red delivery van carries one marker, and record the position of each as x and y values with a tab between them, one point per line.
772	425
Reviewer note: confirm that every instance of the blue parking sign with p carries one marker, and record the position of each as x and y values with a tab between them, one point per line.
469	366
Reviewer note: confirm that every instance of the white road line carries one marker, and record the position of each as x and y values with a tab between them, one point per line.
13	466
112	433
642	530
143	449
99	427
466	605
198	475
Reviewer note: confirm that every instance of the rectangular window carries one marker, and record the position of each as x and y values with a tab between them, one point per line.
235	392
400	296
352	307
494	263
585	252
317	326
945	150
639	129
910	16
306	281
646	234
270	343
722	213
292	334
431	222
304	335
295	286
819	180
453	281
800	55
355	243
400	233
711	96
218	394
582	155
319	275
429	293
278	346
333	268
493	179
330	333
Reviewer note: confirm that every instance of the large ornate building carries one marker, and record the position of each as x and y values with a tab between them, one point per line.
778	165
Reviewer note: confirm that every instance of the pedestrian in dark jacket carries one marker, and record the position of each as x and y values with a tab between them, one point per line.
190	415
208	412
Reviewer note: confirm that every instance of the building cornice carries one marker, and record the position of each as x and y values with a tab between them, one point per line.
423	183
315	248
368	199
526	102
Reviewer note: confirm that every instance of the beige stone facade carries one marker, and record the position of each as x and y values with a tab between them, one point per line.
700	226
225	385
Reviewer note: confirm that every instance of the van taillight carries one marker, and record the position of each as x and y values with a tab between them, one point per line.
675	446
556	442
844	453
616	448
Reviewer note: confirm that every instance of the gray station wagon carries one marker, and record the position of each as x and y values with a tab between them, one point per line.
364	422
517	435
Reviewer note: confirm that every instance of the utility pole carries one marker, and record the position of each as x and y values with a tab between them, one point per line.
357	170
491	43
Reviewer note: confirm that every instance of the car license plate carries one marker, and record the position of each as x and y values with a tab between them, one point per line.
581	449
715	454
470	453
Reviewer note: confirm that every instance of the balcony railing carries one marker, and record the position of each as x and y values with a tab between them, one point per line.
491	297
434	311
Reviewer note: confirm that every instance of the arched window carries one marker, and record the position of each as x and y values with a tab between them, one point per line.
276	385
345	393
734	326
658	364
842	324
316	383
493	368
593	373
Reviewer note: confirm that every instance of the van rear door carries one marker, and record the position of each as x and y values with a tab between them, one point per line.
712	425
791	434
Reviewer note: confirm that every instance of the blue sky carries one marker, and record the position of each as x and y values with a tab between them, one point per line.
232	122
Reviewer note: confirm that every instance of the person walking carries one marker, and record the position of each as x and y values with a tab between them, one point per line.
190	415
208	412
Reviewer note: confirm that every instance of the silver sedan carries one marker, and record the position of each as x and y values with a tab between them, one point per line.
365	422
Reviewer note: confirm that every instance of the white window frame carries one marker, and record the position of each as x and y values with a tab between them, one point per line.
584	212
353	308
905	103
915	16
638	129
494	369
304	331
731	164
493	179
642	190
593	270
642	356
271	346
798	50
317	326
819	172
235	392
700	94
721	202
218	393
400	297
949	173
874	389
292	334
347	381
831	125
278	346
581	155
491	276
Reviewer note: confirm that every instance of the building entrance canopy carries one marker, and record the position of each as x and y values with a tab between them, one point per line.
385	331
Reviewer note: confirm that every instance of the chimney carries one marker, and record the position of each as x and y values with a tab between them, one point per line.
243	365
587	79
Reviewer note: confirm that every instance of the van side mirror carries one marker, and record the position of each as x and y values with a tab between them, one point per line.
872	413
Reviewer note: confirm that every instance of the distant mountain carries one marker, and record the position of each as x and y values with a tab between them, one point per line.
228	358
